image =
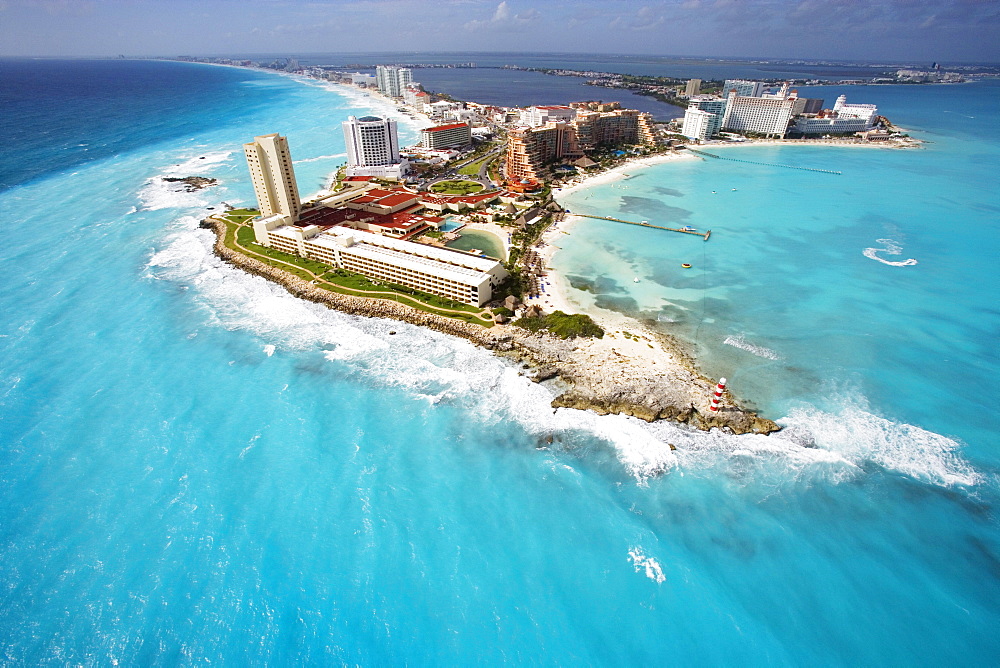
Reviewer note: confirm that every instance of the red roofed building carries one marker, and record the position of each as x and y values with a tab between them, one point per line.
457	203
401	225
384	202
450	135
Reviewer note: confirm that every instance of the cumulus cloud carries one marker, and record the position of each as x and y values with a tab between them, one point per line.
505	19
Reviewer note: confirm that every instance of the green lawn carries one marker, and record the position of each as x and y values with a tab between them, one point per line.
456	187
472	168
241	215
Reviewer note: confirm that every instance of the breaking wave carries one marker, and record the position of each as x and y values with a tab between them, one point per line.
891	248
318	158
860	436
647	565
760	351
199	165
814	445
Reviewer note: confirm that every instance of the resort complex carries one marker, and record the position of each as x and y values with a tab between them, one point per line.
366	229
750	108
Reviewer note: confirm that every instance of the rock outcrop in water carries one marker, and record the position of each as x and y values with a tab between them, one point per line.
192	183
646	376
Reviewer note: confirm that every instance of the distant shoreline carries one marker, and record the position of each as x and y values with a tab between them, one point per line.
634	370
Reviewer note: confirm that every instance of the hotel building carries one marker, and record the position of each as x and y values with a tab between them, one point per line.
450	135
456	275
392	81
700	125
364	230
866	112
273	176
612	128
703	118
743	88
536	116
763	115
530	148
829	125
373	147
693	87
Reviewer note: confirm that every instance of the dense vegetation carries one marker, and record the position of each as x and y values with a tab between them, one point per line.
563	325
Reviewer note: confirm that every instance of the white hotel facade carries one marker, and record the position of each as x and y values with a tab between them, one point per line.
462	277
763	115
373	147
392	81
703	118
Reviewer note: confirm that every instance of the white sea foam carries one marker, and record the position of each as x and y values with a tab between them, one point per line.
269	349
891	248
760	351
441	369
647	565
198	165
158	194
334	156
859	436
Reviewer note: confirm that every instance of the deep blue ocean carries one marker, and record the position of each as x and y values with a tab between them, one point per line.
196	467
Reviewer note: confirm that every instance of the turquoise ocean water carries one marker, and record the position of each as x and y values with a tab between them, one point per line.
196	467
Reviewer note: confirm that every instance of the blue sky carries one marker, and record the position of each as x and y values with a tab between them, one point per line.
946	30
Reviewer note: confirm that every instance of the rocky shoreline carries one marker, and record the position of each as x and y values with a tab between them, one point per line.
192	183
640	375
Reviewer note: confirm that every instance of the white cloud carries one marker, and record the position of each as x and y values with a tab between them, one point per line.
504	19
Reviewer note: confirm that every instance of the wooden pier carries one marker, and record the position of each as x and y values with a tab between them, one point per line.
704	235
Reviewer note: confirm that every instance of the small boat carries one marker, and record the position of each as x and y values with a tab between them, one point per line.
688	228
734	189
713	192
686	265
635	280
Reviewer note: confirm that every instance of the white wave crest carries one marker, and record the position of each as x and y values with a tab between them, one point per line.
198	165
435	366
860	436
760	351
647	565
891	248
321	157
442	369
158	194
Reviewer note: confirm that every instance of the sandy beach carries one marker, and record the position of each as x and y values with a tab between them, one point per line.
620	172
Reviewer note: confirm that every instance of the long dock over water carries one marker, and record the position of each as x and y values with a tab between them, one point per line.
765	164
696	233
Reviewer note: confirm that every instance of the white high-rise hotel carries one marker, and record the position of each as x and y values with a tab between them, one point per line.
372	147
392	81
762	115
270	165
703	118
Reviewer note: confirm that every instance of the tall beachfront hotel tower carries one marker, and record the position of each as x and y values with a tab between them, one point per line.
373	147
270	164
392	81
